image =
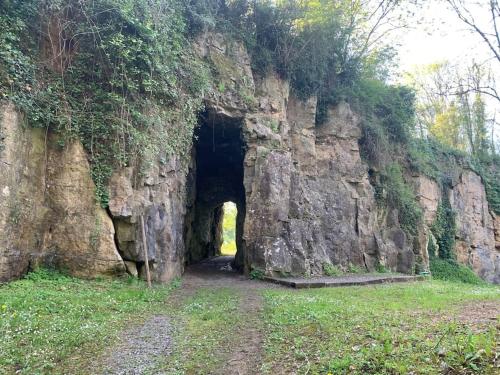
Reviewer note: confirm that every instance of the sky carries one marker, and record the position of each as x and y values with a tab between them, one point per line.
438	35
441	35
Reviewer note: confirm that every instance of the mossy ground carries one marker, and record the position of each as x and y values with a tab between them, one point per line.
55	324
51	323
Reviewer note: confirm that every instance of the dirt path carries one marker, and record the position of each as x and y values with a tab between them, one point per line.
140	348
245	356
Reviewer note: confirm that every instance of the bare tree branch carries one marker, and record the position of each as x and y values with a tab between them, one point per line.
465	16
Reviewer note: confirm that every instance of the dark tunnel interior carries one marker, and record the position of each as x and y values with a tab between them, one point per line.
216	177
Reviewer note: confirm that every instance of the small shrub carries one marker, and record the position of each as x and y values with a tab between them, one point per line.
257	274
331	270
353	268
380	268
450	270
47	274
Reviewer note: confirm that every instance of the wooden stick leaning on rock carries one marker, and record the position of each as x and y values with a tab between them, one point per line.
145	251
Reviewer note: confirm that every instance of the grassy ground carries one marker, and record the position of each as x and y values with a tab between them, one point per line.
50	323
54	324
391	329
204	326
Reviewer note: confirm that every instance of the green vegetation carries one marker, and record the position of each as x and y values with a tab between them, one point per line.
450	270
51	323
331	269
229	229
444	229
488	167
206	321
116	74
391	329
453	122
394	192
257	274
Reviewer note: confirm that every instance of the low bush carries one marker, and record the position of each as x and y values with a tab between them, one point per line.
450	270
331	270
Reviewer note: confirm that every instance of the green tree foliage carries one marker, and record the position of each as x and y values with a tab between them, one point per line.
449	110
318	45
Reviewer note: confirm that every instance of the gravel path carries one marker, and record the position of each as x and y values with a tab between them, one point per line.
139	348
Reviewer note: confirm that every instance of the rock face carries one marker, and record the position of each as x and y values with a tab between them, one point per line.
475	239
48	213
159	197
477	236
428	195
307	196
303	193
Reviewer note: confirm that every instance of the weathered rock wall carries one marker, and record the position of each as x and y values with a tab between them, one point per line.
308	198
159	196
303	193
48	213
476	239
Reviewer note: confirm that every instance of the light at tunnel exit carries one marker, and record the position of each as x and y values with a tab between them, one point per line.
229	229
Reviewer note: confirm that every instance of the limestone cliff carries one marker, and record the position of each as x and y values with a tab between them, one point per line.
304	195
48	212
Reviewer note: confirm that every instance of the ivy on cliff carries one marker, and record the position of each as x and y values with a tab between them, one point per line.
392	191
444	229
116	74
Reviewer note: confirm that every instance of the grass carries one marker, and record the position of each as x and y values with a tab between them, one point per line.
51	323
206	324
390	329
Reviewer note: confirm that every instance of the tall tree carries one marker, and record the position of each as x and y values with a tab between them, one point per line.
448	111
489	32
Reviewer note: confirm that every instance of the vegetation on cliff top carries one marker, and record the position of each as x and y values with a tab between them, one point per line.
116	74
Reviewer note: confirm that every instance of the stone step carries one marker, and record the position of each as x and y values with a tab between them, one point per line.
344	280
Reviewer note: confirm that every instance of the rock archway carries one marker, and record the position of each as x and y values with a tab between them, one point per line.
216	177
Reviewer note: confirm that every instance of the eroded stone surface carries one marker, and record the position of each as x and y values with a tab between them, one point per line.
48	211
475	238
157	195
303	193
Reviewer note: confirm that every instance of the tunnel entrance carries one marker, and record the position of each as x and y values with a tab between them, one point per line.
215	179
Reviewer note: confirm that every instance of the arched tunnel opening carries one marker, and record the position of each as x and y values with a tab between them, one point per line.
215	179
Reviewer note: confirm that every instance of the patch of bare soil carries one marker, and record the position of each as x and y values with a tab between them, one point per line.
140	347
479	315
